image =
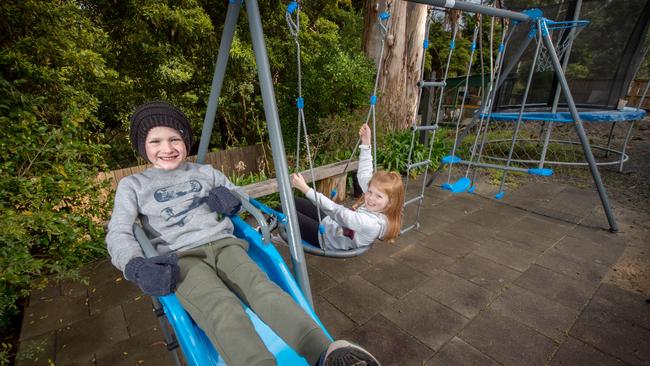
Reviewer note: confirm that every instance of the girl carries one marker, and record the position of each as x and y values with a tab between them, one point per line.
377	214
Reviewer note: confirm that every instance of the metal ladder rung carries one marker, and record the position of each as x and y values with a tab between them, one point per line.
414	199
431	83
425	128
409	228
415	165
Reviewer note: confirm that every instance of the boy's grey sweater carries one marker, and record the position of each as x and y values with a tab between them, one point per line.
172	208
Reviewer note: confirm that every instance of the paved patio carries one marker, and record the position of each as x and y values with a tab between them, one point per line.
534	279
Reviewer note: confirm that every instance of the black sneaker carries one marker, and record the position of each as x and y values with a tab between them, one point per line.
344	353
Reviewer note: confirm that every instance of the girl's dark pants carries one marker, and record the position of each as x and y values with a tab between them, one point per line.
307	220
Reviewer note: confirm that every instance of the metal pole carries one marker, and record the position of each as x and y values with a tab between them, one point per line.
217	79
476	8
277	147
586	147
556	97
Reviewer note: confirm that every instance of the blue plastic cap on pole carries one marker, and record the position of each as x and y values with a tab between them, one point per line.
501	48
333	193
373	100
534	13
300	103
425	44
500	195
452	44
292	7
321	229
384	15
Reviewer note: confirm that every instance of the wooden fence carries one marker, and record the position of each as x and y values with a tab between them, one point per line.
636	92
245	160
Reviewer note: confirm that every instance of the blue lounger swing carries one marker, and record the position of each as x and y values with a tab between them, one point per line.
196	346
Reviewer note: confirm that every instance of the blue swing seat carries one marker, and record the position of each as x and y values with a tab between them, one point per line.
459	186
195	344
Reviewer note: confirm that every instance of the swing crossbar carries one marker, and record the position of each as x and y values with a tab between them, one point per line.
264	188
431	84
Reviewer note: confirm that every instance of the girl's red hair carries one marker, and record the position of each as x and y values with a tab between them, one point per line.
390	183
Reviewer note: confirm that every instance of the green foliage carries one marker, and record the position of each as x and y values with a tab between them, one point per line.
393	152
50	205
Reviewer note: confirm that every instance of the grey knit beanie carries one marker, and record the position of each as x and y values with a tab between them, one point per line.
155	114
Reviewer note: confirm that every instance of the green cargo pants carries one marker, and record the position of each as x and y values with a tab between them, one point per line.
213	275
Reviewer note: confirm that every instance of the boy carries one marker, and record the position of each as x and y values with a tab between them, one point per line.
200	259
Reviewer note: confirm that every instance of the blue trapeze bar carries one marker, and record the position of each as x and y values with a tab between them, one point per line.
626	114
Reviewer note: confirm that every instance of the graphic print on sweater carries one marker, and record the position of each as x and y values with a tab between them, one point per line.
179	209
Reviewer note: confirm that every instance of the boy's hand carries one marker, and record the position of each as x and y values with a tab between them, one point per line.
365	134
222	201
156	276
299	182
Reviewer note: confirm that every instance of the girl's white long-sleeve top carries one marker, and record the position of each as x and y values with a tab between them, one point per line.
367	225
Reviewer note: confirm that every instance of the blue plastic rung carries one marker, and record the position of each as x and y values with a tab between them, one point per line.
373	100
461	185
425	44
544	172
333	193
451	159
500	195
452	44
501	48
384	15
321	229
473	48
292	7
300	103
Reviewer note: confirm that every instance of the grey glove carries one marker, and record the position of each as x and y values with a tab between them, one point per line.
222	201
156	276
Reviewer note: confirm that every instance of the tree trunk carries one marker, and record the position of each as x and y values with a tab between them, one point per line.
397	90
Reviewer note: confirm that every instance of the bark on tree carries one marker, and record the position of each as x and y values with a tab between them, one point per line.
397	90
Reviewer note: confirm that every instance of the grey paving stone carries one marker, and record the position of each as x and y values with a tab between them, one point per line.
393	277
458	294
319	281
334	320
422	259
576	353
44	290
430	322
598	235
459	353
615	336
584	250
531	234
390	344
358	298
337	268
381	249
484	272
79	343
449	244
545	316
470	230
558	214
564	263
507	340
146	348
37	351
554	286
108	288
623	304
497	217
54	313
139	315
430	220
506	253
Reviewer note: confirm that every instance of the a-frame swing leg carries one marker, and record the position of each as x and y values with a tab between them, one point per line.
273	123
586	147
